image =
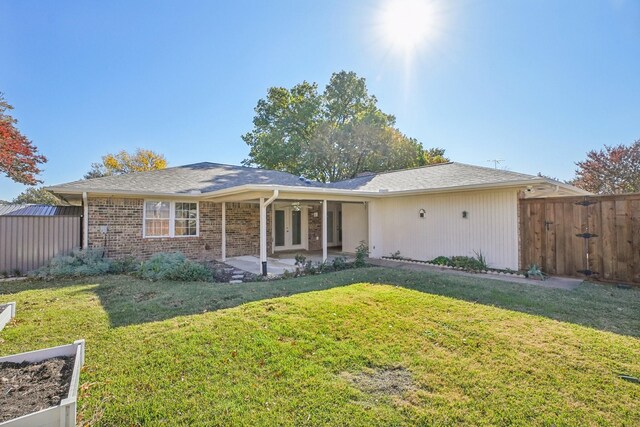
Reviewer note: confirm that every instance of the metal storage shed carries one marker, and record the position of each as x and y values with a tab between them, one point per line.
30	235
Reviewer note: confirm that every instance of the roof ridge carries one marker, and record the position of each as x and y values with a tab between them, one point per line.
398	170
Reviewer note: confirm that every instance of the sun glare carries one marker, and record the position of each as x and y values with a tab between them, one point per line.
407	26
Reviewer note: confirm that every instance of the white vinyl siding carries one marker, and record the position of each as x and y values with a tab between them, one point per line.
354	226
164	218
491	226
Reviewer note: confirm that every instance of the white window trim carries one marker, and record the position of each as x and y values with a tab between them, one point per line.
172	219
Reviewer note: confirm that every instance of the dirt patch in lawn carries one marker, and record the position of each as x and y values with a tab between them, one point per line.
388	381
145	296
30	387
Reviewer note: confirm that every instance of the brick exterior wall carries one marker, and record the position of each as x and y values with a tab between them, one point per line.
315	227
124	216
243	229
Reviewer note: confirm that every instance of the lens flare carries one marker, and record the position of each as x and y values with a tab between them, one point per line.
407	26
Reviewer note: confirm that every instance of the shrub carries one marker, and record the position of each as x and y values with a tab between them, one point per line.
85	262
482	260
362	252
468	263
300	260
340	263
325	267
441	260
173	266
124	265
309	268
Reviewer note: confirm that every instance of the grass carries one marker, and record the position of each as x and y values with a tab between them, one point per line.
283	353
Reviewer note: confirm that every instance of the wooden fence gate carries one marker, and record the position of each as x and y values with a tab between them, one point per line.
594	236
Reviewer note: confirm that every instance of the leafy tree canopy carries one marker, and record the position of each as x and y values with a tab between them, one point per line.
614	169
124	162
38	196
19	158
332	135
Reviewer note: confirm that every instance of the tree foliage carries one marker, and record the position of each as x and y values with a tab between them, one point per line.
614	169
19	158
431	156
332	135
124	162
38	196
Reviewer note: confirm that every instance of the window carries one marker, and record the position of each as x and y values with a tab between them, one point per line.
157	219
170	219
186	219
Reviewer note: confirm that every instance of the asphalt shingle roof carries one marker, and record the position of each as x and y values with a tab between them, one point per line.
443	175
203	177
208	177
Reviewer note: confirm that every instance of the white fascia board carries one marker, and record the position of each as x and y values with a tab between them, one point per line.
320	191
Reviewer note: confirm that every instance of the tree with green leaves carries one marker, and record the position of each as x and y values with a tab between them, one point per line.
38	196
124	162
329	136
431	156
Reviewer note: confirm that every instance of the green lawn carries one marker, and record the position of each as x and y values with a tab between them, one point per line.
475	351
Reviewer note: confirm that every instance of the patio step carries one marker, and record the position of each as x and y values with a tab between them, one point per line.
234	282
237	276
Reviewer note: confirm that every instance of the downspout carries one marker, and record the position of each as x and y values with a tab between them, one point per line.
272	198
85	221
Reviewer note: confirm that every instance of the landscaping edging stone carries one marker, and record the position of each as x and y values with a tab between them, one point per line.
448	267
7	312
63	414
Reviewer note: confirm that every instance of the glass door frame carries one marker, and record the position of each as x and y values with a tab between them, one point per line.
288	223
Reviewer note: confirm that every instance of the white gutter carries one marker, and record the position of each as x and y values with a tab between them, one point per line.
320	190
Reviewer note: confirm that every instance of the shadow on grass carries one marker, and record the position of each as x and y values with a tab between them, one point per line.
130	301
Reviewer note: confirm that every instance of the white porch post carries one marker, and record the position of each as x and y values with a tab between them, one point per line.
224	231
324	231
263	236
263	230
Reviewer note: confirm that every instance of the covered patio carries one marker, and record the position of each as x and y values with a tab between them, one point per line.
320	226
281	262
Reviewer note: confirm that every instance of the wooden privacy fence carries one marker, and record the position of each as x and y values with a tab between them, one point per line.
593	236
30	235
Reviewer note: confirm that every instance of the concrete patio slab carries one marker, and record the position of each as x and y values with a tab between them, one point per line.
277	265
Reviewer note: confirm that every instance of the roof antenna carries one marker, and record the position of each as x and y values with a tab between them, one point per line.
496	162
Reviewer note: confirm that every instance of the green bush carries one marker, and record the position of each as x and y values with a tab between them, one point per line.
468	263
340	263
362	252
441	260
124	265
85	262
173	266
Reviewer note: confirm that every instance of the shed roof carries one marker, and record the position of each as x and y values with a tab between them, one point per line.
40	210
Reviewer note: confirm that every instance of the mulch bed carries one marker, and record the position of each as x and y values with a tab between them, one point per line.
30	387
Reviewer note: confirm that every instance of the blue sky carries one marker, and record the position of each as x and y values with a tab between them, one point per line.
537	83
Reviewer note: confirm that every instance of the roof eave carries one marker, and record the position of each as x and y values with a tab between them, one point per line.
322	190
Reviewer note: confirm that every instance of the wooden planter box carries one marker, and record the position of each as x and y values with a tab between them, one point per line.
7	312
64	414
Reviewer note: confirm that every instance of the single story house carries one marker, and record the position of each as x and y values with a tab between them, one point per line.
214	211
